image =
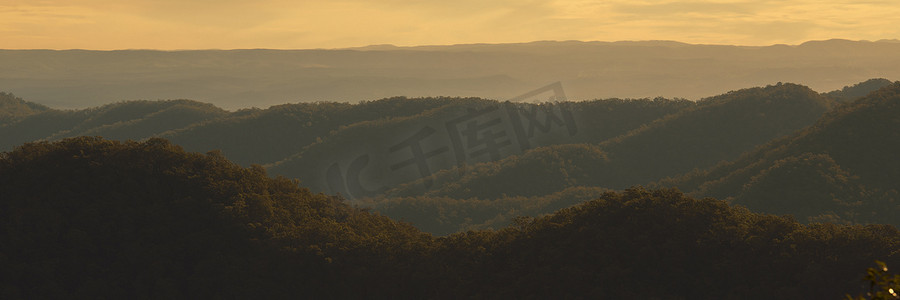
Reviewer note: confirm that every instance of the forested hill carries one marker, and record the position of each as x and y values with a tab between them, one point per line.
859	90
247	136
448	164
13	108
714	130
135	120
842	169
719	128
273	134
93	218
264	136
645	139
88	218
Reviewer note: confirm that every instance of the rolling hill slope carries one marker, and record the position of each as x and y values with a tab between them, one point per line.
465	132
716	129
844	166
91	218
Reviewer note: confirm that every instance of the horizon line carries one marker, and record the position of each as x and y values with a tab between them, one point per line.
389	46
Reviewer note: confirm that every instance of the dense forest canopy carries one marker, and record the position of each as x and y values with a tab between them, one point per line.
512	158
87	217
448	197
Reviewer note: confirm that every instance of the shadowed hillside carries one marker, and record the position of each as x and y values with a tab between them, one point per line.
87	217
843	168
716	129
13	108
450	155
540	171
465	132
135	120
719	128
90	218
286	129
856	91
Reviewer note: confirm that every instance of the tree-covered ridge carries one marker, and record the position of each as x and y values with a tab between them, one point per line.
136	120
713	130
859	90
442	215
286	129
537	172
264	136
89	218
246	136
717	129
663	244
378	140
628	142
13	108
608	118
843	168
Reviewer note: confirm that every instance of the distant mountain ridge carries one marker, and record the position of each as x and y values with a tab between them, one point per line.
245	78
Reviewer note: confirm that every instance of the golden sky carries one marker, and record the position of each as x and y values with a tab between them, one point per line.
298	24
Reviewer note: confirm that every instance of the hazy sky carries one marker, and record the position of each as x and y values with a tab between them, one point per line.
229	24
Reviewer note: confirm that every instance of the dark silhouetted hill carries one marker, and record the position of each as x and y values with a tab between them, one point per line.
91	218
622	244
